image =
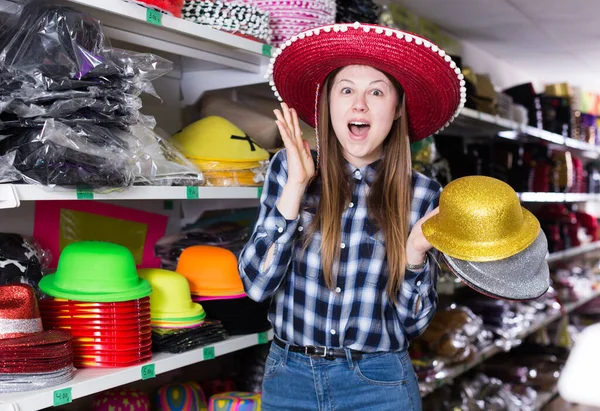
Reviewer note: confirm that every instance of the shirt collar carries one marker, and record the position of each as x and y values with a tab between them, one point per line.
368	172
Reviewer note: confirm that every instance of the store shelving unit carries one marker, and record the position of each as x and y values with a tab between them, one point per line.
573	252
24	192
132	23
473	122
557	197
212	59
446	376
93	380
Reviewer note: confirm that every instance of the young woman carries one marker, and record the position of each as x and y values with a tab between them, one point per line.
338	242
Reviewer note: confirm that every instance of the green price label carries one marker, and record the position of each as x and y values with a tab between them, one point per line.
192	193
62	397
148	372
208	353
85	193
154	17
263	338
259	192
267	50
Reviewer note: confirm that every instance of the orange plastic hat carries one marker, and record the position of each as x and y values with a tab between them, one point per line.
211	271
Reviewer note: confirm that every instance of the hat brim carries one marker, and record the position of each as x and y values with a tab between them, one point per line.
37	339
48	286
432	83
479	251
522	277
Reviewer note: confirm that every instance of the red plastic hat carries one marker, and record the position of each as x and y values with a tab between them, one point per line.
433	84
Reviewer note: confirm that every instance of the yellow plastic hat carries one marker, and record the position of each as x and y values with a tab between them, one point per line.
481	219
216	139
171	297
211	271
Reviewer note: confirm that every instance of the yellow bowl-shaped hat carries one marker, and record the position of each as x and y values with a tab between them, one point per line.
216	139
481	219
171	297
211	271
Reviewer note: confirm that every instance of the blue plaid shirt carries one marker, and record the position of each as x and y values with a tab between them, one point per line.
357	314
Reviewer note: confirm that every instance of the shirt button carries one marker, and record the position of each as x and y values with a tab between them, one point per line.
343	245
418	283
300	228
351	205
280	230
338	290
332	332
357	174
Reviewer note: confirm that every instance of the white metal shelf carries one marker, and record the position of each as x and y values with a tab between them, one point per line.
129	22
557	197
447	375
12	194
473	122
93	380
573	252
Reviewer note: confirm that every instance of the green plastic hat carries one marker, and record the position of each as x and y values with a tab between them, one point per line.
96	271
171	298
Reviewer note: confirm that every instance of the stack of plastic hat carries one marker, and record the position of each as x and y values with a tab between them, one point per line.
187	396
224	153
235	400
125	399
30	358
214	279
489	241
101	301
178	324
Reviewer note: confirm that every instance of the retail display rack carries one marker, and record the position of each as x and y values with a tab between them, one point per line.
213	59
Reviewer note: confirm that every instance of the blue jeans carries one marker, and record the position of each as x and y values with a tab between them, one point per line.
380	381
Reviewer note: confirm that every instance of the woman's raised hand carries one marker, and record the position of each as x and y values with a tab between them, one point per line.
301	167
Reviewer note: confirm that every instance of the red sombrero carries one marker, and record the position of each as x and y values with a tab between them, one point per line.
433	84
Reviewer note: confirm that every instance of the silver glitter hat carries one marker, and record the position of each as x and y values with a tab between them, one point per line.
523	276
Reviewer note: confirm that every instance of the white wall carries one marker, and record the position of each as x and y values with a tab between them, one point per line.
502	73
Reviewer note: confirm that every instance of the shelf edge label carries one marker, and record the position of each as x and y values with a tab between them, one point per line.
62	397
85	193
154	17
267	50
263	337
148	371
191	192
208	353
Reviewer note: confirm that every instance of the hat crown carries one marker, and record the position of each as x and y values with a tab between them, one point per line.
170	291
216	138
19	312
96	265
210	270
482	209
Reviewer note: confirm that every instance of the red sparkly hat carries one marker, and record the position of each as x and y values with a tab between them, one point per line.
20	317
433	84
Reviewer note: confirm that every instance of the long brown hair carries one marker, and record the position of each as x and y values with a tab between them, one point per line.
389	196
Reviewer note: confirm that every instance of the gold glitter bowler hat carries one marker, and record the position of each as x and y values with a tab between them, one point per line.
481	219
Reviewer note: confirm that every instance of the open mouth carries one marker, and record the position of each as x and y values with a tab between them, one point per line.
359	128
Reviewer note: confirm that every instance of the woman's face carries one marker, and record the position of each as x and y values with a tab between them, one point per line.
363	104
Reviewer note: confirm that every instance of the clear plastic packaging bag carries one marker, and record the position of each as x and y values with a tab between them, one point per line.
22	260
57	154
69	106
47	44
